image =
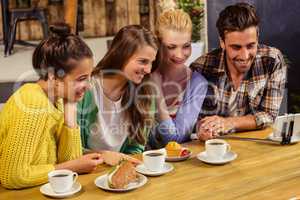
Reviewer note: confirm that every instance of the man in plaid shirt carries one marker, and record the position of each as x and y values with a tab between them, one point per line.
246	80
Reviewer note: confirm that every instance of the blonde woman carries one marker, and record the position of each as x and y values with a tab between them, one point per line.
182	91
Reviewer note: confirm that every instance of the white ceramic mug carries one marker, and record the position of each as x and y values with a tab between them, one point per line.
154	160
216	148
62	180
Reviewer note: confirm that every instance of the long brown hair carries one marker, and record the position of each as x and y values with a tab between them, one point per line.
124	45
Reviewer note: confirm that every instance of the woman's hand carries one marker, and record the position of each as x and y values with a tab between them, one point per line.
217	124
113	158
85	164
204	133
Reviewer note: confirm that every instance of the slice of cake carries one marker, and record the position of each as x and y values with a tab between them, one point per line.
122	175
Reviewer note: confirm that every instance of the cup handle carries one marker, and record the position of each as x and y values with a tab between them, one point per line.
228	148
75	176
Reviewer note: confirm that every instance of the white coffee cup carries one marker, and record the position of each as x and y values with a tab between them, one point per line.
62	180
216	148
154	160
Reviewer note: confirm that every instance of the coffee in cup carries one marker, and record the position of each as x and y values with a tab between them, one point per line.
154	160
62	180
216	148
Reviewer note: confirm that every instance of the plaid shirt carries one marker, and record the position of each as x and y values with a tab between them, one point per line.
260	93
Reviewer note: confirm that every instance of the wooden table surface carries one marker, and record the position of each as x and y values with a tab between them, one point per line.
261	171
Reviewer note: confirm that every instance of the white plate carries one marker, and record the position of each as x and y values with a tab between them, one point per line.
143	170
102	183
294	139
228	157
47	190
178	158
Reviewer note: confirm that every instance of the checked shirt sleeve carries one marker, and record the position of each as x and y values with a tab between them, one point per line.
273	94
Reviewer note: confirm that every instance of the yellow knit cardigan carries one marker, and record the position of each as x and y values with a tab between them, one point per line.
33	138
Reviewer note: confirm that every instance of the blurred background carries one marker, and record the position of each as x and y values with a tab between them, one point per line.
98	20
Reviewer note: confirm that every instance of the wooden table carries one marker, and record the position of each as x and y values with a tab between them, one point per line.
261	171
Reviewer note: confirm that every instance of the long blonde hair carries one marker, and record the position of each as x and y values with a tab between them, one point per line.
124	45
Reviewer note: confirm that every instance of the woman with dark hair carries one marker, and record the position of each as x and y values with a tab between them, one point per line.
118	112
38	125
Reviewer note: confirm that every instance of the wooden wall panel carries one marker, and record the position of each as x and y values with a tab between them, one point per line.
31	30
126	12
153	13
100	20
23	30
94	19
55	13
100	17
88	19
133	12
121	14
110	17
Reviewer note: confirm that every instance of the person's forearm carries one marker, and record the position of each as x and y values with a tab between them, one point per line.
168	132
187	114
67	165
243	123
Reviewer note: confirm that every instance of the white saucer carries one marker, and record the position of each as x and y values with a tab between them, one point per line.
228	157
143	170
47	190
294	139
102	183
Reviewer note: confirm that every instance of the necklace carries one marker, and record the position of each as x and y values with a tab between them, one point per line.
109	94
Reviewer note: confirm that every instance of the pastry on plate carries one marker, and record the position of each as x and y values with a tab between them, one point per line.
122	175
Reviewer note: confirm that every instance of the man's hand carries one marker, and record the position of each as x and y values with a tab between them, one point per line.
204	134
213	126
217	125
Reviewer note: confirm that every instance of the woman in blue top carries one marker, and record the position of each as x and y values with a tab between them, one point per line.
182	90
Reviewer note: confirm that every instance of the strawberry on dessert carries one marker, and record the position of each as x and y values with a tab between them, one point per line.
176	150
184	152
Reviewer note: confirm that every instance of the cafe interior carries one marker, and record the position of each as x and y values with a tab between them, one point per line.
256	165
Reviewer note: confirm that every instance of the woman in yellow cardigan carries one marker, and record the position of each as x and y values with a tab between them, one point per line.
38	128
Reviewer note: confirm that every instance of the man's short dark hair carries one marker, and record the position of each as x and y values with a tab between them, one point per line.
236	17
